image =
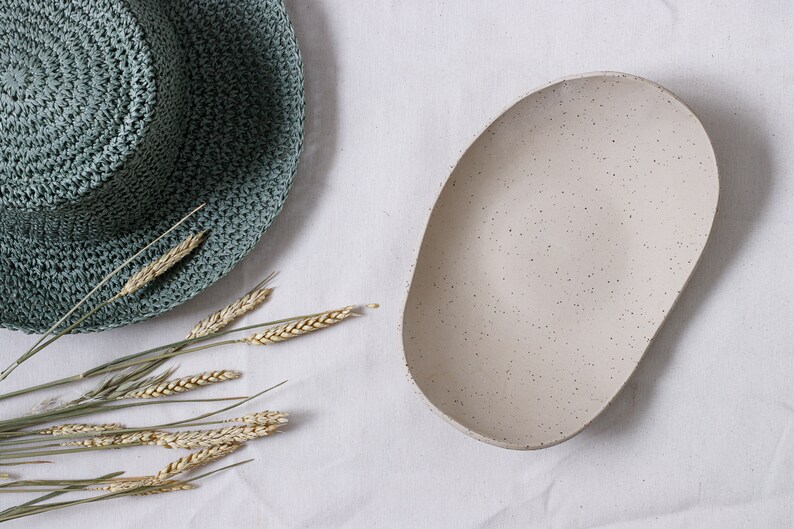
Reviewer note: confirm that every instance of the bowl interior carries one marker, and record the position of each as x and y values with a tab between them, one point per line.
555	251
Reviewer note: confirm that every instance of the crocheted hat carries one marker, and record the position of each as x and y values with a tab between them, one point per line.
117	117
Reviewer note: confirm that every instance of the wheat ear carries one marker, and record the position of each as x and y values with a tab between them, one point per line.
220	319
194	460
221	436
262	418
158	267
163	486
70	429
170	486
298	328
142	437
190	438
181	385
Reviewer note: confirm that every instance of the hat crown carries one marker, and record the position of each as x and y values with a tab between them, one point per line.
92	97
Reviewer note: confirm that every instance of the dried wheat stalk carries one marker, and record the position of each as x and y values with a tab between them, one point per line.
181	385
263	418
218	320
142	437
298	328
221	436
70	429
167	486
196	459
159	266
191	438
173	486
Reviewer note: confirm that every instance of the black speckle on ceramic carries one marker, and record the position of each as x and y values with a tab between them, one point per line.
555	251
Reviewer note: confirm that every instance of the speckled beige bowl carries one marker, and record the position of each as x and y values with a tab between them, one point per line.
553	254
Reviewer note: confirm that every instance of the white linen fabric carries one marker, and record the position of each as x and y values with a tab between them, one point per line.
703	434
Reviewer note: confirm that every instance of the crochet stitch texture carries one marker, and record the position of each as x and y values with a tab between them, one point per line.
119	116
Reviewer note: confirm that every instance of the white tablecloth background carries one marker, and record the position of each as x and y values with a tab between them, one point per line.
703	434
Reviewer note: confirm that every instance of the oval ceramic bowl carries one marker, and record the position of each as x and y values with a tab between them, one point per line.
554	253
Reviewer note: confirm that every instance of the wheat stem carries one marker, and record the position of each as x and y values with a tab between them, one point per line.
38	346
28	504
35	506
192	421
115	365
11	426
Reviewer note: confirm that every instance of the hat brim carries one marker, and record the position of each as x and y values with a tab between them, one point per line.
243	138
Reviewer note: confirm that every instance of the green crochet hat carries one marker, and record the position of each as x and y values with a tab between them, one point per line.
117	117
